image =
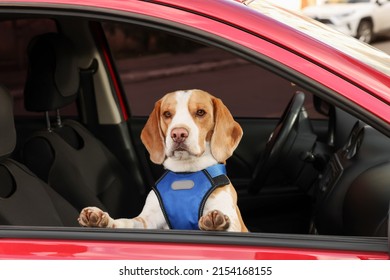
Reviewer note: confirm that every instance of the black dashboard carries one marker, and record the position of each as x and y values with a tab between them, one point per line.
353	192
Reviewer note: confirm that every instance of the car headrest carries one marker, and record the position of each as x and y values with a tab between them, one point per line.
53	77
7	125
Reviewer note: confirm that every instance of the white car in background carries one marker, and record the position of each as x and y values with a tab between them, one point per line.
362	19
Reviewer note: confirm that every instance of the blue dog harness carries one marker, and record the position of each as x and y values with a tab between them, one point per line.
182	196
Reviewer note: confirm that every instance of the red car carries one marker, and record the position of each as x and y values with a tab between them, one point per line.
84	75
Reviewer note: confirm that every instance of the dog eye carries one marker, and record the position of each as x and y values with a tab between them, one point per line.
200	113
167	114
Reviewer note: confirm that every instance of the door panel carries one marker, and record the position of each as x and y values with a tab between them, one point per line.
93	244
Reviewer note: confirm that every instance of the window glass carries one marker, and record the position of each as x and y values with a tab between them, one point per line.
152	63
15	36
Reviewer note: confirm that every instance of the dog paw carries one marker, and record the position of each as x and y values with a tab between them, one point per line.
214	220
93	217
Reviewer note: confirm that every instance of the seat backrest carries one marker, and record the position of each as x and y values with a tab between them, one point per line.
25	199
67	156
367	203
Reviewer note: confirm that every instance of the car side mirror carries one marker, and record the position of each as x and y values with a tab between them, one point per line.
380	2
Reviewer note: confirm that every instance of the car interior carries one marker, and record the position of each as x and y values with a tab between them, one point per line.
76	93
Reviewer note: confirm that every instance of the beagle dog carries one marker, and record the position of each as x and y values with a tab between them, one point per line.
191	133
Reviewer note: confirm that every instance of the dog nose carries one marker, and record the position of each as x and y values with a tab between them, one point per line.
179	134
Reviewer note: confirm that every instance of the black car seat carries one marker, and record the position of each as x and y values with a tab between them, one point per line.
24	198
65	154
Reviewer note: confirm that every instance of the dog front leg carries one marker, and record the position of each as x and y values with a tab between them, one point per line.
221	212
214	220
95	217
151	217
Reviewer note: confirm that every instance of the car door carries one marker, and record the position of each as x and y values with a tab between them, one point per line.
258	120
381	16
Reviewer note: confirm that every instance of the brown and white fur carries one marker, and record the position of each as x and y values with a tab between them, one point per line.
186	132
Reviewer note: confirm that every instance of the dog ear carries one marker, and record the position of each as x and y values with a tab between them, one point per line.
151	136
227	132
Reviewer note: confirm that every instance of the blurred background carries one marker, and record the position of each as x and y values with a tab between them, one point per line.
366	20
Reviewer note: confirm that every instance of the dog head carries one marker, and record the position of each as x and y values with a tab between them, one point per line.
190	127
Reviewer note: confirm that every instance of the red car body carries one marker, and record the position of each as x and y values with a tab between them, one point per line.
352	80
46	249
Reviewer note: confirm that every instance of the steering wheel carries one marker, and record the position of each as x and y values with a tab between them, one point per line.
277	141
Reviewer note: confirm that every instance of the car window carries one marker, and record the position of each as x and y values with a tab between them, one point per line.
15	36
152	63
